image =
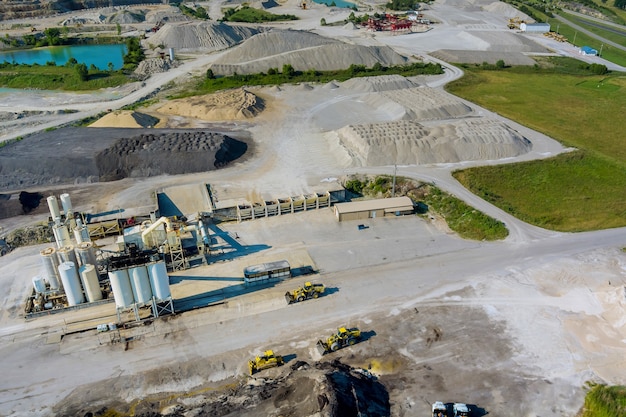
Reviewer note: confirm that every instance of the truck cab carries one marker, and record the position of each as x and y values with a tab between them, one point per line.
460	410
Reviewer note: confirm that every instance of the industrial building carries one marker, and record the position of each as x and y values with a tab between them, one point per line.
535	27
359	210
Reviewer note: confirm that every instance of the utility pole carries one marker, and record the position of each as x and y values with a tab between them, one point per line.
557	28
575	33
393	187
601	46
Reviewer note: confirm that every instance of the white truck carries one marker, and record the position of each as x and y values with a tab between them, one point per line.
439	409
460	410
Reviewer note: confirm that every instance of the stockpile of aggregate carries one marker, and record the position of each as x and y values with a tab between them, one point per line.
303	51
408	142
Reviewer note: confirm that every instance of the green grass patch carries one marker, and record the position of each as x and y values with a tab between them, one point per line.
251	15
612	33
46	77
578	191
605	401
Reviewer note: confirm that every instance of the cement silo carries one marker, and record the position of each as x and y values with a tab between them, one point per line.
66	254
61	235
53	205
50	263
122	290
66	203
140	283
71	283
89	278
39	284
159	280
86	253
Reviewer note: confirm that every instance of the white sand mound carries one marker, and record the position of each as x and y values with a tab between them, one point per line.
236	104
425	103
211	36
125	17
126	118
303	51
330	86
304	87
506	10
377	84
407	142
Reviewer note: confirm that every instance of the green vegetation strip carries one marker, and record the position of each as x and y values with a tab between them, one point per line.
604	401
577	191
468	222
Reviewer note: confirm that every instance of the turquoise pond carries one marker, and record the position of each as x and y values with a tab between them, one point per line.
98	55
338	3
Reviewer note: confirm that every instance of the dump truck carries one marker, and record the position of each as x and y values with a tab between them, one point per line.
304	293
460	410
265	361
439	409
343	337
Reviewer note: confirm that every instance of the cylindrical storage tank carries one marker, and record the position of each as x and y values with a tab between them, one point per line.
81	234
71	283
89	278
50	264
39	284
66	203
159	281
61	235
171	54
122	290
53	205
66	254
140	283
86	253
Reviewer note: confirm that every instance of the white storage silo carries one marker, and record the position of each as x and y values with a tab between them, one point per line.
81	234
159	280
71	283
89	278
66	254
140	283
61	235
86	253
122	290
53	205
66	203
39	284
50	264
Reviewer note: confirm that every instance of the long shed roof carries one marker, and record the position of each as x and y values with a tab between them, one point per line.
397	203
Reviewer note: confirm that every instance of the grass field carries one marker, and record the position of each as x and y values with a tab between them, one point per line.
577	191
45	77
605	401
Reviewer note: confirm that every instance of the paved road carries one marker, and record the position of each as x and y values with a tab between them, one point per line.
589	33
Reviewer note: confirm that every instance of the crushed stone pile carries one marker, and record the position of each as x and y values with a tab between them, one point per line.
126	118
87	155
125	17
408	142
236	104
506	10
169	15
205	36
428	103
379	83
151	66
303	51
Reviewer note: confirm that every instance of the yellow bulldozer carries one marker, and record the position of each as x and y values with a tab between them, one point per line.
343	337
265	361
304	293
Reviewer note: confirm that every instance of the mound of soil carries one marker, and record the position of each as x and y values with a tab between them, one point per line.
236	104
125	118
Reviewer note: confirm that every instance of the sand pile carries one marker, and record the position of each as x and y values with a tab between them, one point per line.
194	36
126	118
237	104
505	10
125	17
428	103
407	142
377	84
303	51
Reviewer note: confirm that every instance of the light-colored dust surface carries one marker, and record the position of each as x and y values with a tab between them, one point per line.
514	327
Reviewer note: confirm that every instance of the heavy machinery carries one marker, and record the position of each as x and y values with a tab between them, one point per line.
265	361
439	409
460	410
304	293
343	337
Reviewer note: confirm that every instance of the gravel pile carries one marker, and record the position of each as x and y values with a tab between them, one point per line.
151	66
201	36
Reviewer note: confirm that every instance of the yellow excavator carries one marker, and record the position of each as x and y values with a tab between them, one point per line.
265	361
343	337
304	293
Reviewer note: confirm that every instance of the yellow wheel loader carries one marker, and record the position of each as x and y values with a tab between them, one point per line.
265	361
343	337
304	293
